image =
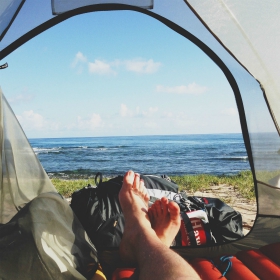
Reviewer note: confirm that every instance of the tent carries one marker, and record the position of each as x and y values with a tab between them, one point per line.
241	37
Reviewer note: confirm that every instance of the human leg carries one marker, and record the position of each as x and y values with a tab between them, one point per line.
140	242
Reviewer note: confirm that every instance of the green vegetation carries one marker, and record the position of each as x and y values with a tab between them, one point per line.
243	182
67	187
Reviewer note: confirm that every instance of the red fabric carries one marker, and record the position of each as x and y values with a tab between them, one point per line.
123	273
238	270
247	265
272	251
199	232
260	264
206	270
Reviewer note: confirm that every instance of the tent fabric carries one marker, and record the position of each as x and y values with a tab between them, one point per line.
242	38
37	226
8	11
250	31
22	175
47	236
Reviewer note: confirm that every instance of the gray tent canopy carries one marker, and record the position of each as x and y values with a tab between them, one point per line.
242	38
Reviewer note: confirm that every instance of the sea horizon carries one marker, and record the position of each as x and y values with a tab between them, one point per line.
180	154
147	135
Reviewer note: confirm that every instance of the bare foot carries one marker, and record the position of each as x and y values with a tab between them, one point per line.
165	220
134	200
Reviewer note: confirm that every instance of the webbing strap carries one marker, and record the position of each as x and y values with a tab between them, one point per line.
189	228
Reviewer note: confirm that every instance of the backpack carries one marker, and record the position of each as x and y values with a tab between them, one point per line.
99	210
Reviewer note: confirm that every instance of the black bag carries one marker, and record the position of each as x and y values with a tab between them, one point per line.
162	182
225	223
99	210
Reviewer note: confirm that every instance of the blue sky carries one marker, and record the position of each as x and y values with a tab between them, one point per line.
116	73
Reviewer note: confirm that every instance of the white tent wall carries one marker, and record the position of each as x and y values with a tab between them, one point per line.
23	177
250	31
45	234
46	241
8	11
242	27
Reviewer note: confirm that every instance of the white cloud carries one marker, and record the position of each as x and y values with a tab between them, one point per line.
91	123
151	111
151	124
95	121
167	115
177	120
192	88
142	66
30	120
229	112
79	58
20	98
100	67
124	110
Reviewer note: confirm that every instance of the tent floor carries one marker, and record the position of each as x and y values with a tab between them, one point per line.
263	263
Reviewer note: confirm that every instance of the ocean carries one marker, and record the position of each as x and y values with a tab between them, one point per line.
170	154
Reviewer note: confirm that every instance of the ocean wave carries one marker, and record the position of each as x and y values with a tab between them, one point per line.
240	158
46	150
74	148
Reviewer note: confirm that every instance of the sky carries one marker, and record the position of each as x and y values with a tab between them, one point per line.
116	74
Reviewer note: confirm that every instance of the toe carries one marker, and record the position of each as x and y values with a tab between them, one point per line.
164	205
158	207
146	196
174	210
141	187
128	178
136	182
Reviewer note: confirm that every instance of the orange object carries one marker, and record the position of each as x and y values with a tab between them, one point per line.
206	270
98	275
237	270
259	264
123	273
